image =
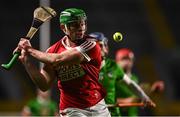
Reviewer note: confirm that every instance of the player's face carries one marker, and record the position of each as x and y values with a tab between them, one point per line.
76	30
125	63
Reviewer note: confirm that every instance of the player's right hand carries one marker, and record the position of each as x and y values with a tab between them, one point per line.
149	103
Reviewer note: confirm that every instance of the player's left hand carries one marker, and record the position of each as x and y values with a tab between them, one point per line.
157	86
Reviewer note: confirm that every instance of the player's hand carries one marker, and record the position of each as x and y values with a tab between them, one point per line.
16	50
149	103
157	86
23	45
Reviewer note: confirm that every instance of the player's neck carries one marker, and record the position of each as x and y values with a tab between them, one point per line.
128	72
69	43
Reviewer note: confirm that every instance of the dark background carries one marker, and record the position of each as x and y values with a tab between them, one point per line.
149	27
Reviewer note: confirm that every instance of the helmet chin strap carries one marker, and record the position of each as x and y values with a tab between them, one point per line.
65	26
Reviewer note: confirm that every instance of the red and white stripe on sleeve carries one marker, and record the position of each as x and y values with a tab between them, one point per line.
86	46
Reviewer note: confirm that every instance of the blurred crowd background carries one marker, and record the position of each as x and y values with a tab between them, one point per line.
149	28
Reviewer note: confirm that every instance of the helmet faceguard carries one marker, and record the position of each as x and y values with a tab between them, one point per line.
103	41
100	38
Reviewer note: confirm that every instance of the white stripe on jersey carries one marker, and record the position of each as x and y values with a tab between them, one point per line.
87	45
84	47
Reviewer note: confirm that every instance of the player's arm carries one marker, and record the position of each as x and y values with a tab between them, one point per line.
121	99
137	89
70	56
67	57
44	78
155	87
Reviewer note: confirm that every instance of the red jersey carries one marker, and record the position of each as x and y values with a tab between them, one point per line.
78	83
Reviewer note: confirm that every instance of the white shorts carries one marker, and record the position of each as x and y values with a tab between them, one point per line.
98	110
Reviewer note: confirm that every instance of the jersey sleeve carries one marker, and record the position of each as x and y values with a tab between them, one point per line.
49	50
119	73
89	49
53	48
135	78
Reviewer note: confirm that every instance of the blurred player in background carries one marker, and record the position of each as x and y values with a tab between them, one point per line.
74	61
125	60
111	76
42	105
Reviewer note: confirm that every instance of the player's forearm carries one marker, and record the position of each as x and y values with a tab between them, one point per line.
69	57
135	87
41	56
36	76
138	90
64	58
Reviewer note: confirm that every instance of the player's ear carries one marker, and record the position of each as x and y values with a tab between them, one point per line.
64	28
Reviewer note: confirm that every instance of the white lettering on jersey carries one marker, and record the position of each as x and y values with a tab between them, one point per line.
70	72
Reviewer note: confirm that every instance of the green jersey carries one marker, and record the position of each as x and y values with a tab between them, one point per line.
123	91
39	108
110	75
